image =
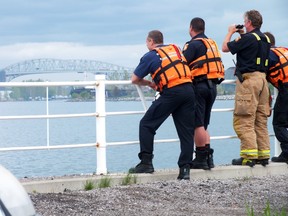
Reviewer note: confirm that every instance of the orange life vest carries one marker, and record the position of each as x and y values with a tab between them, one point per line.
173	70
279	72
209	64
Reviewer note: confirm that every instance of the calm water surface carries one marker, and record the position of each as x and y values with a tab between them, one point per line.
32	132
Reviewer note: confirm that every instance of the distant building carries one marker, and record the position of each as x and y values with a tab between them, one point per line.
2	79
5	95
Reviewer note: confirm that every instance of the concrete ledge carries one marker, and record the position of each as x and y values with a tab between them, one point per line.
61	184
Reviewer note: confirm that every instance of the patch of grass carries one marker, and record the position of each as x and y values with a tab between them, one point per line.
246	178
249	211
104	182
129	179
89	185
131	170
267	211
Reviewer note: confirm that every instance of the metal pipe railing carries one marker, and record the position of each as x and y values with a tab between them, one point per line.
100	114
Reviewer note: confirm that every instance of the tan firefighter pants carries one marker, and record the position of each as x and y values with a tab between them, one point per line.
251	114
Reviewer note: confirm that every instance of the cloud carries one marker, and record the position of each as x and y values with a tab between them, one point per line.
115	31
122	55
127	55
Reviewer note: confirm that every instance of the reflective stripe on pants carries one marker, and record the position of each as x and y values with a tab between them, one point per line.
251	115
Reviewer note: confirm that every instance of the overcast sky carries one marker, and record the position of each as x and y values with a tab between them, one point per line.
114	31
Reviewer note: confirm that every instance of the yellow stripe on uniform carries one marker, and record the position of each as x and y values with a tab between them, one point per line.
264	153
249	153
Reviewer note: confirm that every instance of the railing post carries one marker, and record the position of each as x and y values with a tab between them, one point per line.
142	97
47	120
100	125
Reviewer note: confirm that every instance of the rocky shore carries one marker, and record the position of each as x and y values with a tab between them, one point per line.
196	197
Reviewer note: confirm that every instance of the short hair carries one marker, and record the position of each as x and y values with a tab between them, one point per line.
156	36
255	17
198	24
271	37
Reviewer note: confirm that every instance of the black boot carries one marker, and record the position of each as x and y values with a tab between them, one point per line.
184	172
282	158
244	162
200	162
263	162
210	160
145	166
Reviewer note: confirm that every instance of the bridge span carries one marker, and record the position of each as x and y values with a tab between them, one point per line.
46	66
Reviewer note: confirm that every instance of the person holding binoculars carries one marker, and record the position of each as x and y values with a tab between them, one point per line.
252	94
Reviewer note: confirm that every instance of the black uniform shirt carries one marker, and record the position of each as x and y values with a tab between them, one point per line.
193	49
247	49
273	58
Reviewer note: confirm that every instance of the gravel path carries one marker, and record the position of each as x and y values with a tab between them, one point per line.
195	197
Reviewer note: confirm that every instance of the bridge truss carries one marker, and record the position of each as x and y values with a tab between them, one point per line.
46	66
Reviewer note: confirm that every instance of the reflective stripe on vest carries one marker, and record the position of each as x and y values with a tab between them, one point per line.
258	59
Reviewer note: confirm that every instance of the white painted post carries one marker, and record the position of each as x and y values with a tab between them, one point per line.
100	125
140	92
47	120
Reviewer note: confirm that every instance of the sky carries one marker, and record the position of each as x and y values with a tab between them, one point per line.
115	31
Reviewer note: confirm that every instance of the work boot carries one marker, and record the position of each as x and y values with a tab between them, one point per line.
244	162
145	166
200	162
282	158
184	172
263	162
210	161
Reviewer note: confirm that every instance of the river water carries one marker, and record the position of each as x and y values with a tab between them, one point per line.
32	132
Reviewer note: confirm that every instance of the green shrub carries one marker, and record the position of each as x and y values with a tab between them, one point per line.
129	179
89	185
267	211
104	182
131	170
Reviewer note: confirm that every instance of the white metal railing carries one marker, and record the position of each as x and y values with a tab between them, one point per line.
100	115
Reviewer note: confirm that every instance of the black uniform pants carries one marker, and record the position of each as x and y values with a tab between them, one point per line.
180	102
280	117
205	92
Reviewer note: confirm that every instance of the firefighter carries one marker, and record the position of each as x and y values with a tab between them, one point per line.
278	77
252	94
204	60
172	78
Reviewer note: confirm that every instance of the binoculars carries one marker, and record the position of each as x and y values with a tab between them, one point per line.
239	26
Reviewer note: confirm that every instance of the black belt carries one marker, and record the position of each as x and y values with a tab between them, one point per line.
199	79
204	79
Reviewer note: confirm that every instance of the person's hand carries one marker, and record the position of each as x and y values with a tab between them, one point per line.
152	85
241	31
232	29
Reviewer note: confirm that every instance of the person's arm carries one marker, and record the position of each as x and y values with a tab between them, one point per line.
231	30
189	52
143	82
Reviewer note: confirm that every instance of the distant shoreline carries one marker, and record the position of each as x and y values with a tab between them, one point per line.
219	97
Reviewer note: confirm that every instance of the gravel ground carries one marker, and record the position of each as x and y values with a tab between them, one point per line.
196	197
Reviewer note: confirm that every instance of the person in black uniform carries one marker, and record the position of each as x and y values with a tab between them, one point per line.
203	58
172	78
252	93
278	77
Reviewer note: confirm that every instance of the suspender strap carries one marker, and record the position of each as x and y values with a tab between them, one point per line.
200	63
163	69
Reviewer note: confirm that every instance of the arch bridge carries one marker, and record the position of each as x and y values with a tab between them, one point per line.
46	66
